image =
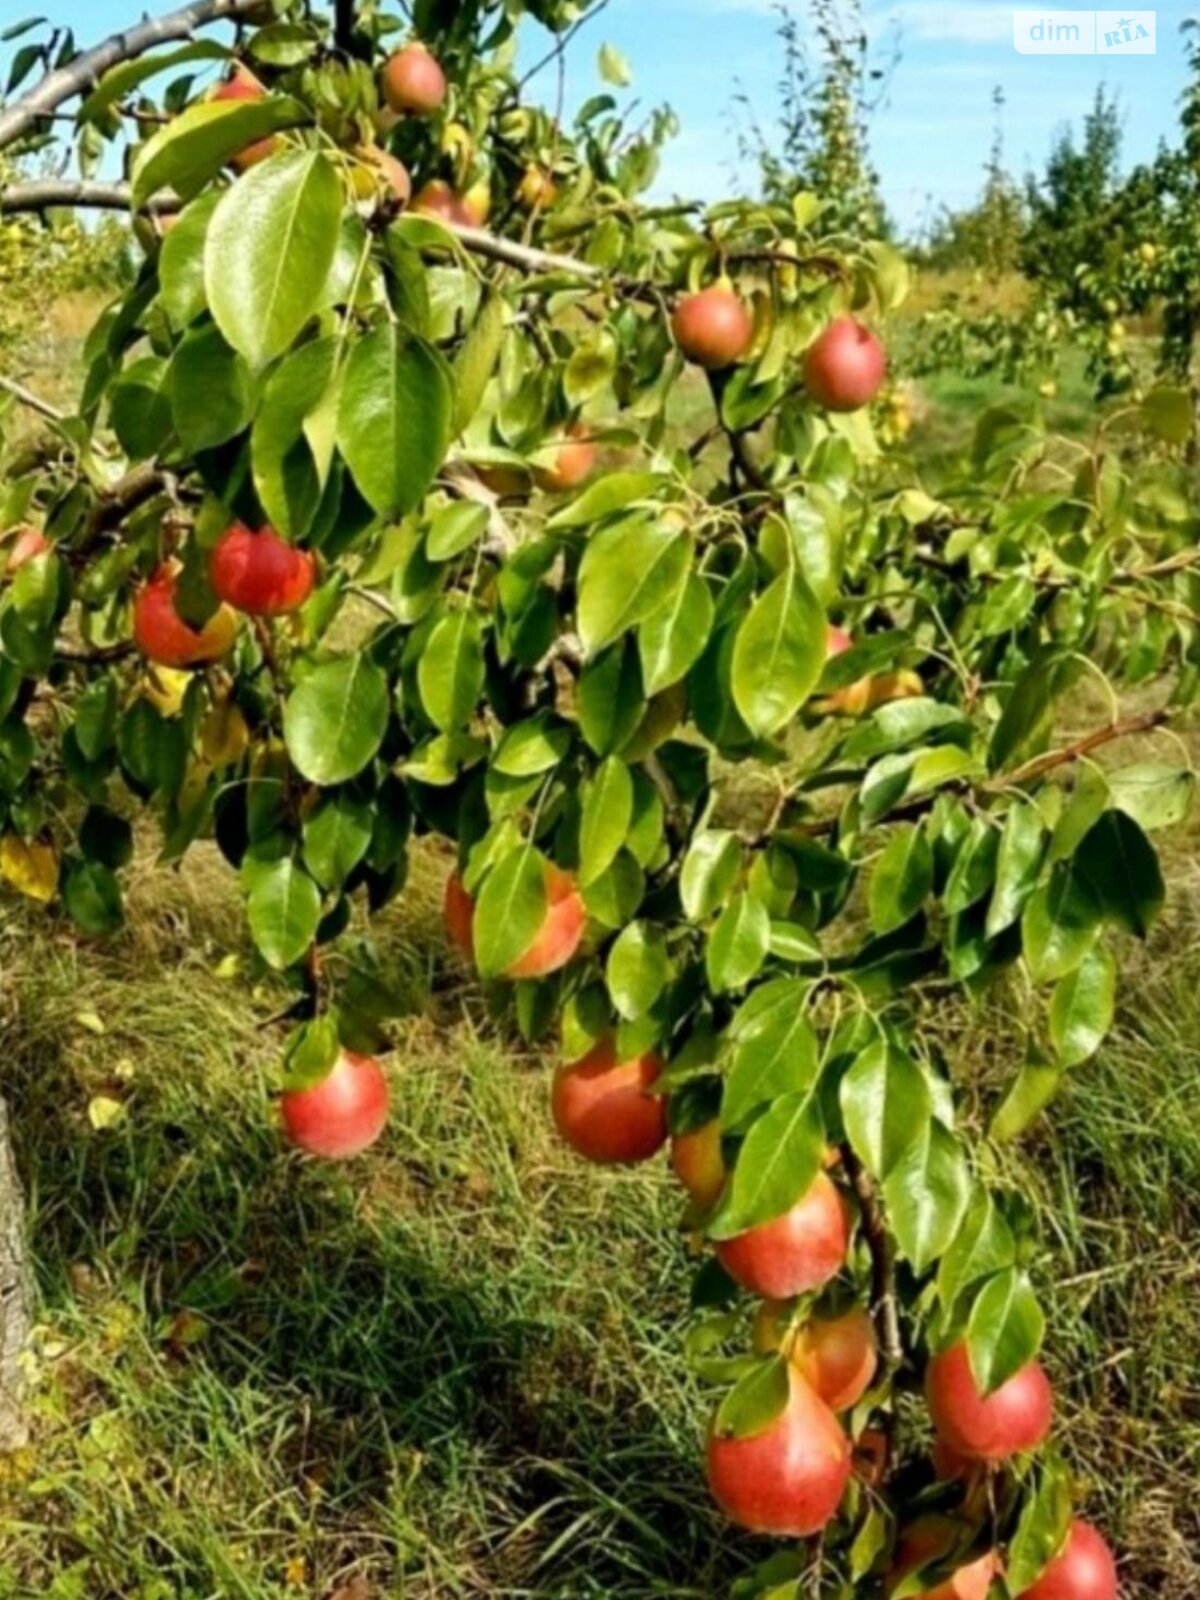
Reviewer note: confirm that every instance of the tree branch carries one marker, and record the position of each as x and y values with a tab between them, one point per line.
33	401
42	196
85	71
343	24
884	1305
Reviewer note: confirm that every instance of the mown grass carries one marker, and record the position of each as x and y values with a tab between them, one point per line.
454	1368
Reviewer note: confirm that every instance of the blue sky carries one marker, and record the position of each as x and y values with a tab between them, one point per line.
931	137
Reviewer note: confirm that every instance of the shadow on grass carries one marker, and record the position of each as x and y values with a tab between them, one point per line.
296	1373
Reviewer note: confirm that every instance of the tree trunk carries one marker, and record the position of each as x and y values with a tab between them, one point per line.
16	1296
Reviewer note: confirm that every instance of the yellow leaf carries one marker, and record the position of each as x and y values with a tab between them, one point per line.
165	688
224	735
295	1574
31	866
104	1112
228	967
90	1020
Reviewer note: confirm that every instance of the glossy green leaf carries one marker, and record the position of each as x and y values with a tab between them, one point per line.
510	910
629	571
606	818
335	719
284	908
1081	1009
1122	867
926	1195
1022	846
901	879
394	418
775	1167
886	1106
450	671
1005	1328
637	969
738	944
269	250
673	638
1060	923
778	654
710	870
193	146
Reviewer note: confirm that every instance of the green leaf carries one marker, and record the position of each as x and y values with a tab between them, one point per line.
637	969
1122	867
926	1195
1029	705
738	944
608	495
1042	1528
1060	923
901	880
1005	1328
606	817
673	639
455	528
983	1246
1081	1010
510	910
778	1055
778	654
755	1400
532	747
614	68
288	477
197	143
1169	414
335	719
120	80
775	1167
450	671
1154	793
1031	1092
394	418
181	261
1022	846
974	869
476	361
337	835
284	909
709	872
269	249
310	1052
92	897
211	390
629	571
886	1105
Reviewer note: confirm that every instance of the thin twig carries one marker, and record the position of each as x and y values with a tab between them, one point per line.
33	401
87	68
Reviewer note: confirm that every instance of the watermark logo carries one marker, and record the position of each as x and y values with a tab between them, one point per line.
1084	33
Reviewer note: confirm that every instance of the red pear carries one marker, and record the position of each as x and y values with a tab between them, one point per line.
1012	1420
458	913
260	573
341	1115
606	1109
413	81
713	329
796	1252
789	1479
698	1163
845	366
1083	1569
162	635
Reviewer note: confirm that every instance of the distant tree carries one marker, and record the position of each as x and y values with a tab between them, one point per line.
989	234
830	88
1068	205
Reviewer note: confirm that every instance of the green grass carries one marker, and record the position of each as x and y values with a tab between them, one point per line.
454	1368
